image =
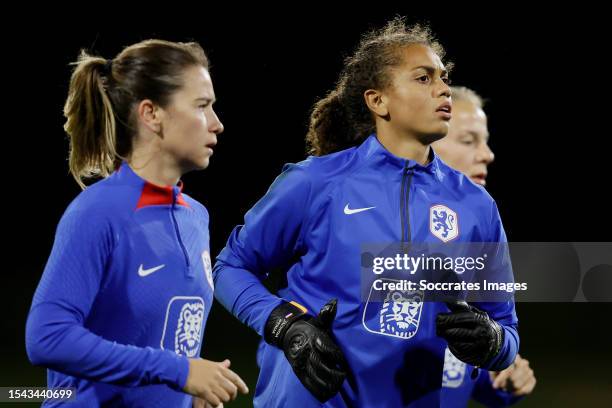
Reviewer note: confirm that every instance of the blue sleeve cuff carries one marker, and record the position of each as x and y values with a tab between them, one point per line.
508	351
243	295
182	372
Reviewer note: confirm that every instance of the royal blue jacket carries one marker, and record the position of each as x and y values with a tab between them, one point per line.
125	295
311	223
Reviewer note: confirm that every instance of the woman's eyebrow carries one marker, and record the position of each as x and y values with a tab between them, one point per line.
430	69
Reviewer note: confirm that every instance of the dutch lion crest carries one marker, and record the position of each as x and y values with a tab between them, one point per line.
454	370
443	223
189	329
400	314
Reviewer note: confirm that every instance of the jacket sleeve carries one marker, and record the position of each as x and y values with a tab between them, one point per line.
55	333
272	235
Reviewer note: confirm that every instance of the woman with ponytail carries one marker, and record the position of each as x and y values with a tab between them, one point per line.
120	310
373	178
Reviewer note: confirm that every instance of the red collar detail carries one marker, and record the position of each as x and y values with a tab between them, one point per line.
157	195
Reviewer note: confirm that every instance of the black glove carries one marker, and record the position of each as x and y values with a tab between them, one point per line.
308	345
472	336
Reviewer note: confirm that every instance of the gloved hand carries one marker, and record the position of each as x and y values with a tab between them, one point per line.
308	345
472	336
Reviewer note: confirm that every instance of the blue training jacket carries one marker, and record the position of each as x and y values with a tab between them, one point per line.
124	296
308	225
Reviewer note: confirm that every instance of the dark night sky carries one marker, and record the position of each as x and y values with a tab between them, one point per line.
542	72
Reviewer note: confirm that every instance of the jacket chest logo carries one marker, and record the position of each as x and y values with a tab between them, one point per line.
184	326
454	370
397	314
443	223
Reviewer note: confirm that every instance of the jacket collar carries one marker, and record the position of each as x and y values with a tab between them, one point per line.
151	194
372	150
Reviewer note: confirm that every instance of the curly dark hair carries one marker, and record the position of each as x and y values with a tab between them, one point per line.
342	119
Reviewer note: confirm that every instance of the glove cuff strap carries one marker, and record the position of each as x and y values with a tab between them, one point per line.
498	343
279	321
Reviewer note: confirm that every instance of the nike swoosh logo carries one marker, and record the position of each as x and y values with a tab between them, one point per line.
146	272
349	211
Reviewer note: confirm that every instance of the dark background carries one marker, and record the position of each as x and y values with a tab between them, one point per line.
543	73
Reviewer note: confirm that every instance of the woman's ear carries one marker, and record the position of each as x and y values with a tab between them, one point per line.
376	102
150	115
